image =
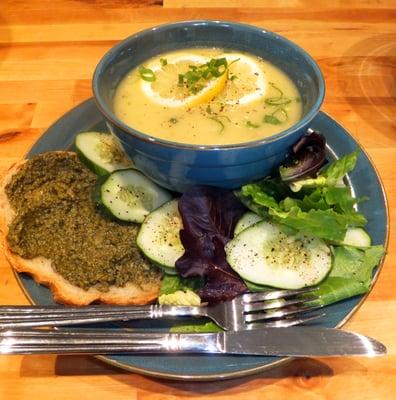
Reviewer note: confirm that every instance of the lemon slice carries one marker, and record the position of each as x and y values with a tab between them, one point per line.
249	83
166	91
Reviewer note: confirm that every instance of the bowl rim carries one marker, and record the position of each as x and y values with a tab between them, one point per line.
110	116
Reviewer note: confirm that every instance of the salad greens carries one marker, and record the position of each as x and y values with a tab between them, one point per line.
322	210
307	156
194	327
173	283
351	273
324	207
321	206
209	217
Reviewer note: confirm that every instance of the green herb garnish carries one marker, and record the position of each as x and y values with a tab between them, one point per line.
280	95
279	99
232	62
194	79
271	119
250	124
279	116
218	120
163	61
280	102
173	120
225	117
147	74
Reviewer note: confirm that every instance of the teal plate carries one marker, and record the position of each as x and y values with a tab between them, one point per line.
364	180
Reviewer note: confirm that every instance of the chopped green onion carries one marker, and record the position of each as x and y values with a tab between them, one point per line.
225	117
173	120
232	62
271	119
278	90
216	67
250	124
277	102
233	77
216	119
147	74
283	112
275	120
194	77
163	61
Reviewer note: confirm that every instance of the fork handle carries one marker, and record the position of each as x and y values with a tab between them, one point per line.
110	342
24	317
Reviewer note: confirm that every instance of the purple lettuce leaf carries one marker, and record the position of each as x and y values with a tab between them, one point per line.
209	217
308	155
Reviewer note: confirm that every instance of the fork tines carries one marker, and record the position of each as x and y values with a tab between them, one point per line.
280	308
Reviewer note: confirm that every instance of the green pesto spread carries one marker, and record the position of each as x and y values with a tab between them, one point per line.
56	218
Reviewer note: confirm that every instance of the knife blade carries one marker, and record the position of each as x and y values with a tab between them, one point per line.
292	341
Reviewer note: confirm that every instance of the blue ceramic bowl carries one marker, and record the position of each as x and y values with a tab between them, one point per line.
177	166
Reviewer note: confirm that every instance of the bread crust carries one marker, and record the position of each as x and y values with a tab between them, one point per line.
43	272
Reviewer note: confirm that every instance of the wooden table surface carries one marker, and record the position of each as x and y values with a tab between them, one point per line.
48	51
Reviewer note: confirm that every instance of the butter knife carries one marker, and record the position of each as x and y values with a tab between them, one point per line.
295	341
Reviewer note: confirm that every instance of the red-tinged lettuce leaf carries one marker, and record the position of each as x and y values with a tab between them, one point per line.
209	217
306	158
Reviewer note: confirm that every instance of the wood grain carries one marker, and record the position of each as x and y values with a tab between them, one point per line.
48	51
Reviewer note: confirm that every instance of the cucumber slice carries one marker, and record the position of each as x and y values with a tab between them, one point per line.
101	152
356	237
129	196
158	237
264	255
248	219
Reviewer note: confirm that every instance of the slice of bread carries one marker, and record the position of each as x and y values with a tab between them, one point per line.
41	269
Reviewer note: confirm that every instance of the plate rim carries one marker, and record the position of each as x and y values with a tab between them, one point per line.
244	372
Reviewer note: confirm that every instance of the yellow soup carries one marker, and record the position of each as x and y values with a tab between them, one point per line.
207	96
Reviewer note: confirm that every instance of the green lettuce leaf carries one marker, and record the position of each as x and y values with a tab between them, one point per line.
254	287
339	168
172	283
308	183
351	273
325	224
205	327
330	175
314	200
260	195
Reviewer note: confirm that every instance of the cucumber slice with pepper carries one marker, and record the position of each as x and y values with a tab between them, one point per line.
248	219
101	152
129	196
264	255
158	237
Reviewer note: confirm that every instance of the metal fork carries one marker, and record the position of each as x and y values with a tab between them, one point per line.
279	308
